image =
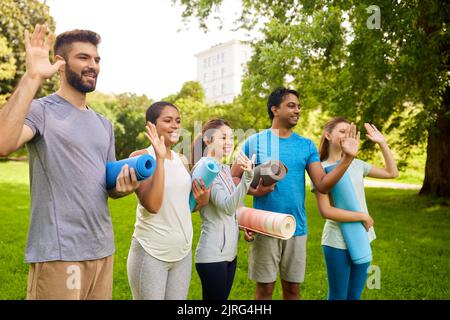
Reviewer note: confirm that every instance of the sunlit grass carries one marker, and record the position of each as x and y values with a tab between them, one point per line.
411	249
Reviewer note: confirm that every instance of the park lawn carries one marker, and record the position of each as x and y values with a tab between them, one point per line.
411	249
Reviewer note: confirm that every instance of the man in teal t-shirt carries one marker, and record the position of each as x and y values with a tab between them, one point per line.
267	255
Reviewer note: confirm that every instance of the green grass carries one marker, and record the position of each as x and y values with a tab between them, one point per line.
411	249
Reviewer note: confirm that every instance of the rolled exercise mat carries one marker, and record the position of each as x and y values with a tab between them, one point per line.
207	168
271	171
144	166
274	224
355	235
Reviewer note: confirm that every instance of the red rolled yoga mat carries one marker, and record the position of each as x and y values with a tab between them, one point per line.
274	224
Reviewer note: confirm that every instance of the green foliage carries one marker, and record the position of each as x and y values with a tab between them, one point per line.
396	76
190	89
199	8
127	113
366	75
16	17
242	113
7	65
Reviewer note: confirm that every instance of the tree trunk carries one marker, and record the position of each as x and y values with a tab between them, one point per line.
437	167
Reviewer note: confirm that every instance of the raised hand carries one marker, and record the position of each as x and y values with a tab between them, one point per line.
157	142
37	53
245	163
373	134
350	143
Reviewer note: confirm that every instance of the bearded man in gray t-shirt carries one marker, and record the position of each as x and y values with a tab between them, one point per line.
70	242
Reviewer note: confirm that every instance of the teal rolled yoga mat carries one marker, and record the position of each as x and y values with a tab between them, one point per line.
144	166
207	168
355	235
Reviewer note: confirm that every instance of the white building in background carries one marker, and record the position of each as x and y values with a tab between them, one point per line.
220	70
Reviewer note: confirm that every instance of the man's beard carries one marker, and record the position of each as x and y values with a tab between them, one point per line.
76	81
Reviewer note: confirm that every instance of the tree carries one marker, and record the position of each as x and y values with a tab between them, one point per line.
7	66
190	89
16	17
394	74
126	112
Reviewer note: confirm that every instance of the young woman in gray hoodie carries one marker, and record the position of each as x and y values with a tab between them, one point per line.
216	253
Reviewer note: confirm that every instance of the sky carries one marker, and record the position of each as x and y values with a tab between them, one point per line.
146	48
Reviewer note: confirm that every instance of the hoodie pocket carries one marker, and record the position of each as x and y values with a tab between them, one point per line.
223	238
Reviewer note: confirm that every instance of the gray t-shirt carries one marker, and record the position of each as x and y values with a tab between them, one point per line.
70	218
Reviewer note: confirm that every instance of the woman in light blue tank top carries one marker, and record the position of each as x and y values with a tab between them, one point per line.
346	279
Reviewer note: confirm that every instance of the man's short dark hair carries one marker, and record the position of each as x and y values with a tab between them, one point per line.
65	40
277	97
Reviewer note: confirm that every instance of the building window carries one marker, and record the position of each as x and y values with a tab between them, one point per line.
223	88
205	77
204	63
209	61
222	72
222	57
214	75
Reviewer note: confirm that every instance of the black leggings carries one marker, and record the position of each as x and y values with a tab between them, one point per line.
217	279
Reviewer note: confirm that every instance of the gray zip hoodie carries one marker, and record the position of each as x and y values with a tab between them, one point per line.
220	231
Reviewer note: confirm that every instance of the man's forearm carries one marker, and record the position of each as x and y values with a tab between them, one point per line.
13	114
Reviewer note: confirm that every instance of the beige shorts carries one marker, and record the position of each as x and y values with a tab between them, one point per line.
63	280
267	255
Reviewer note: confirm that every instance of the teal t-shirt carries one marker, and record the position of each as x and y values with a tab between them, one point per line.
296	153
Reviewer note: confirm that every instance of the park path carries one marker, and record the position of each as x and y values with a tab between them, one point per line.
391	185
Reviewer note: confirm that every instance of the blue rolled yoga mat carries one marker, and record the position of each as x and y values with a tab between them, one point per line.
207	169
354	233
144	166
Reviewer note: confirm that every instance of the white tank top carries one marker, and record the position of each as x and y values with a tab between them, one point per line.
167	235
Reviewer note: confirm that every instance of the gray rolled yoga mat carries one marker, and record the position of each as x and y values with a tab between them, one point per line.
271	171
